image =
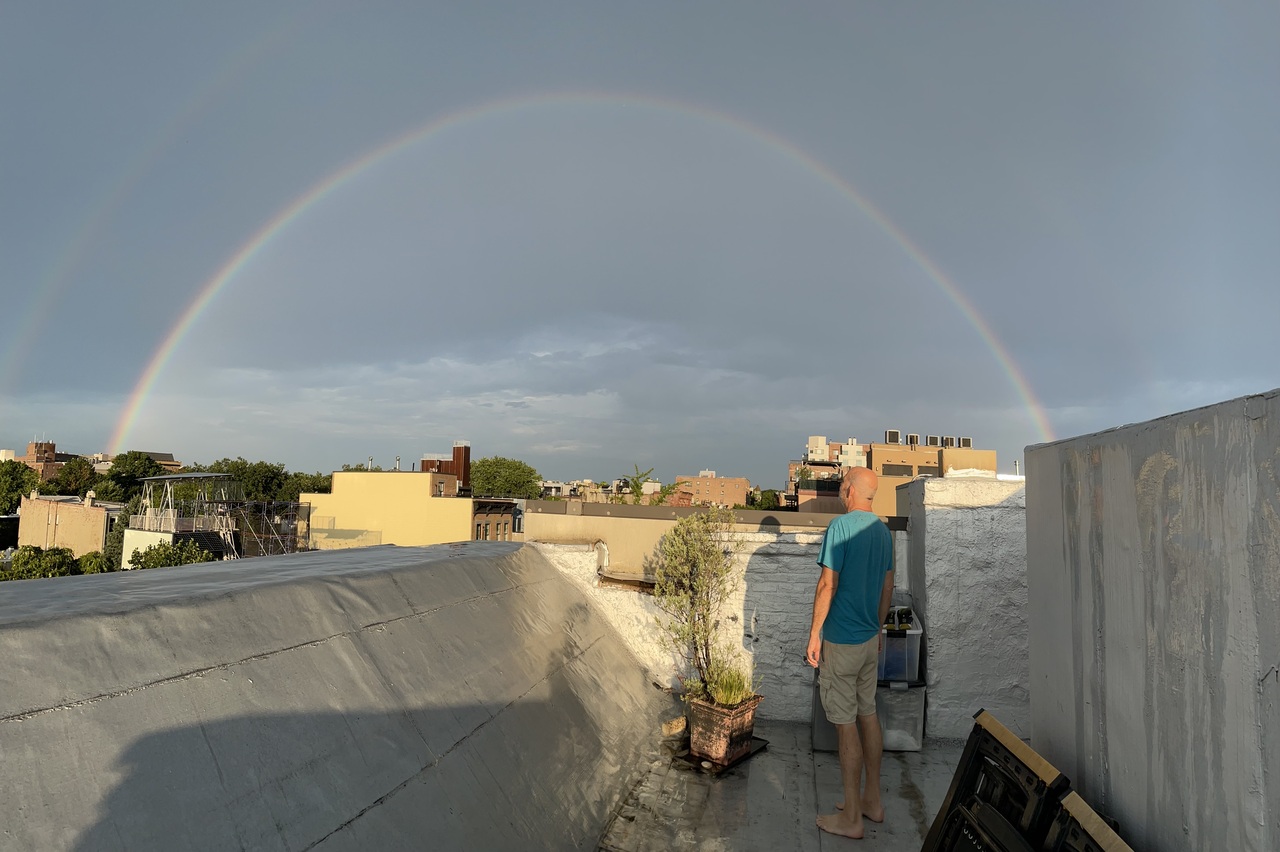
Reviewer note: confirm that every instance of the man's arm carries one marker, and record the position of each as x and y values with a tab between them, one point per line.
827	581
886	595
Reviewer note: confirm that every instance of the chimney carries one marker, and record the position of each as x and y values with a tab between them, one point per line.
462	463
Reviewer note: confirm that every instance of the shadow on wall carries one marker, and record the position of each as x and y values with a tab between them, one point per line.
777	607
544	769
768	619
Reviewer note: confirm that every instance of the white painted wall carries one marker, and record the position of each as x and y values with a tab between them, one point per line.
966	559
768	618
1154	557
138	540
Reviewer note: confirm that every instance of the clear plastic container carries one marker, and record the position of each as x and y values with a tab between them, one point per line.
900	655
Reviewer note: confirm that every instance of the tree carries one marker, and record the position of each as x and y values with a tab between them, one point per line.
93	562
636	483
496	476
113	549
129	469
76	477
768	500
16	481
304	483
804	476
165	555
31	563
663	493
106	488
261	480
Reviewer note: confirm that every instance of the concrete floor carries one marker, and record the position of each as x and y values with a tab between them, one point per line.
770	801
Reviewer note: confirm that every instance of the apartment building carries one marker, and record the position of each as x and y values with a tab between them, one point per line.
708	489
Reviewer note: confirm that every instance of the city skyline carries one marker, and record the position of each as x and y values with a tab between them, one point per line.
586	237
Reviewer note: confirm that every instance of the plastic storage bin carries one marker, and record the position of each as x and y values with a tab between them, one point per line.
900	655
900	708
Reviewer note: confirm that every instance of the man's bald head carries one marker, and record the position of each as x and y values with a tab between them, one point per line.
858	488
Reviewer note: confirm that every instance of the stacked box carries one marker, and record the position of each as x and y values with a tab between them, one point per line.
900	655
900	708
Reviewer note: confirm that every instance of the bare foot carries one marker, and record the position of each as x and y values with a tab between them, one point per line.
875	814
840	824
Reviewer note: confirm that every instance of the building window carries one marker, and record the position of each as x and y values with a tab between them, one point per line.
477	531
486	530
896	470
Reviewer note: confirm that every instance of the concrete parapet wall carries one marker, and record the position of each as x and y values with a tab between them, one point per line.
464	696
767	619
1153	554
968	578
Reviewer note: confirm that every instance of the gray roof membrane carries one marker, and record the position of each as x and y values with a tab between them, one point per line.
374	698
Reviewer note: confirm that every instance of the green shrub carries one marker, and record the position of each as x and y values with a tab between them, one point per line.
728	683
33	563
93	563
165	555
694	578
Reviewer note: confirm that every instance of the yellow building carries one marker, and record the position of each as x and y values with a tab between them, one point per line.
79	525
388	507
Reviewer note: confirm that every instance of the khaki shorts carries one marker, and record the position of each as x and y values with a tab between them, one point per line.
847	678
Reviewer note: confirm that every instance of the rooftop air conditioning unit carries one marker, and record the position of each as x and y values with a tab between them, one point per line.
913	439
948	441
932	441
892	436
966	443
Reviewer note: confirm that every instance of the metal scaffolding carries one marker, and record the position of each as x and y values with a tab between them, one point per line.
211	506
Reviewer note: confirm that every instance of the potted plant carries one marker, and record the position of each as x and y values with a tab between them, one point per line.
694	578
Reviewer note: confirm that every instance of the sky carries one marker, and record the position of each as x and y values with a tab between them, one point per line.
595	236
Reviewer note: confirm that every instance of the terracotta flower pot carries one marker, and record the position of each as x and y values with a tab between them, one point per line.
721	734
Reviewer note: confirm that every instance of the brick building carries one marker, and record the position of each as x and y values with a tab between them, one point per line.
456	464
707	489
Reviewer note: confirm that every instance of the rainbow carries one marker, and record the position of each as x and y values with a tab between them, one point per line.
441	124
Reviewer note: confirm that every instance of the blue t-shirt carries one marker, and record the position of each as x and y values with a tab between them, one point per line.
859	548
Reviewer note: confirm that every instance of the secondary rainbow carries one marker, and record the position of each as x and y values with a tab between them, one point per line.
319	191
43	298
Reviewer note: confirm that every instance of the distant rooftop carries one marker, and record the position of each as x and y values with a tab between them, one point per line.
174	476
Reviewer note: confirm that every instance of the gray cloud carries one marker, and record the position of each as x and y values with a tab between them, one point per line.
596	284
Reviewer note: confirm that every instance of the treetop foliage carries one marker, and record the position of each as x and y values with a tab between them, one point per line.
16	481
266	482
262	481
496	476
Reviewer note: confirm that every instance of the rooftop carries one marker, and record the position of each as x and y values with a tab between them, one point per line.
769	802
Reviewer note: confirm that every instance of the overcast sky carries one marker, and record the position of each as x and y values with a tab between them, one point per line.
594	235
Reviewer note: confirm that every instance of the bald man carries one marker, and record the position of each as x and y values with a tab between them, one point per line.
850	604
